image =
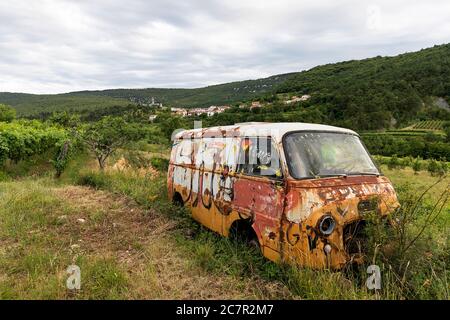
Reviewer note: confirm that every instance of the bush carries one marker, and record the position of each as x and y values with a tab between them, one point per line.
433	167
408	145
413	265
407	161
62	157
7	114
160	164
136	159
417	165
20	140
447	130
97	181
443	168
393	162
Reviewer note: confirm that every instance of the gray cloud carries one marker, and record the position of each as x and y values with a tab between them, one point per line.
54	46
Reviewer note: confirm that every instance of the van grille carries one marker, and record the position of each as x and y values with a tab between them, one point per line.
355	240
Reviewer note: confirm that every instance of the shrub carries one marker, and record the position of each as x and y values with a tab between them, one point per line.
413	266
160	164
407	161
443	169
433	167
417	165
136	159
97	181
393	162
20	140
62	157
7	114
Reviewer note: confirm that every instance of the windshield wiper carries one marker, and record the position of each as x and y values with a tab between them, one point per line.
364	174
332	175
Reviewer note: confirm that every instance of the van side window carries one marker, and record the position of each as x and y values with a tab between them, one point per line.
259	157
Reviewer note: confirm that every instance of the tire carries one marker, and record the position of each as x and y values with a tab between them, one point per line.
178	200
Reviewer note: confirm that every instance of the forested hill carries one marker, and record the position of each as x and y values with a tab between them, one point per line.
367	94
378	92
45	104
228	93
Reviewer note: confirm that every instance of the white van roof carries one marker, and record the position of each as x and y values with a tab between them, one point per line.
275	130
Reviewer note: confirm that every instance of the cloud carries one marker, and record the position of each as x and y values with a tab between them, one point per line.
59	46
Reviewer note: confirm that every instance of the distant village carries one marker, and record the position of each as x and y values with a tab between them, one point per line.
209	111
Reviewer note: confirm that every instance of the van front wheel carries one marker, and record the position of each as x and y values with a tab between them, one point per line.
241	230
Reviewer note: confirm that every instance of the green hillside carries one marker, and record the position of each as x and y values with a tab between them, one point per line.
379	92
33	105
228	93
370	94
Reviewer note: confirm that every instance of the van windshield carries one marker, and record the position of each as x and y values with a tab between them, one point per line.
326	154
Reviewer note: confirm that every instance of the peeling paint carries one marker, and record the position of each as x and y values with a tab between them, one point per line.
284	212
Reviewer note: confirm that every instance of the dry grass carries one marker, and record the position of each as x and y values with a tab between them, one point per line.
124	251
128	250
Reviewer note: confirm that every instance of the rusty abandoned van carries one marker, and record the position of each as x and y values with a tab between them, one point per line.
301	190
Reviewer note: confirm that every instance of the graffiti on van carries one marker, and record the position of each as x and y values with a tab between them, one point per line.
301	190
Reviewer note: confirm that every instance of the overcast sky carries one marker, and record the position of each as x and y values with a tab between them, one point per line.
52	46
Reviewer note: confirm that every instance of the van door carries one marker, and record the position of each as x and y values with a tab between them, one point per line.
259	191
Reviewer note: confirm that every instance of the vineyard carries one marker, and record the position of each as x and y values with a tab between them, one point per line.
22	139
403	133
427	125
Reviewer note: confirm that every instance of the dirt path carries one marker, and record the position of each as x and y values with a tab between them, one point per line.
141	242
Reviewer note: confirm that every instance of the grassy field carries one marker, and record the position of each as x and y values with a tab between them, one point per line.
131	243
420	181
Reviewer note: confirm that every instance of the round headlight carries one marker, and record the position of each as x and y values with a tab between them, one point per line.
326	225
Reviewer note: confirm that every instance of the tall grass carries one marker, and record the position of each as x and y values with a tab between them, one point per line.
412	253
34	254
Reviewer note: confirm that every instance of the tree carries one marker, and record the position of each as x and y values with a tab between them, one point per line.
62	157
65	119
168	124
108	134
447	130
7	114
